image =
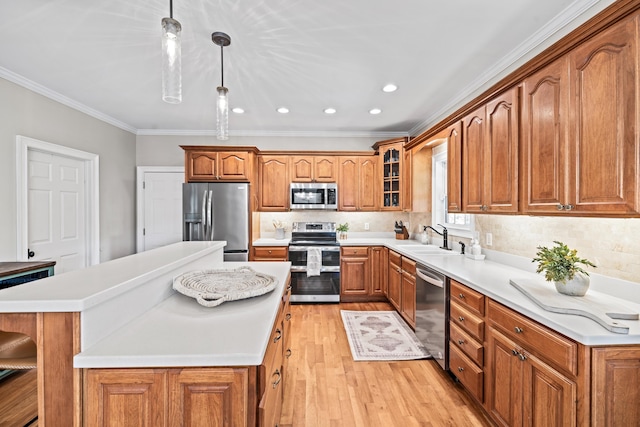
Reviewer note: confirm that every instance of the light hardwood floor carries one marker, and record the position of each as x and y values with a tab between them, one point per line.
19	399
326	387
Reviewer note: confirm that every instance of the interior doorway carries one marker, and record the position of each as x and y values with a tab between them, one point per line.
159	206
57	205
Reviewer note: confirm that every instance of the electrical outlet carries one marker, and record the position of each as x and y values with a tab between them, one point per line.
366	225
489	239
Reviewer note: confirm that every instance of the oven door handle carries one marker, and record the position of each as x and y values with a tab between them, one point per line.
322	248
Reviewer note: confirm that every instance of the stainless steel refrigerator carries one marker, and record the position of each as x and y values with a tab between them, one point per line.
218	211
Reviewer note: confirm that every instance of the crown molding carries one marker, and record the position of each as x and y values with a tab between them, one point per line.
41	90
299	134
501	68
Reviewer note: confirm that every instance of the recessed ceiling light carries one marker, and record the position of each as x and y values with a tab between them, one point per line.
238	110
390	88
375	111
283	110
330	110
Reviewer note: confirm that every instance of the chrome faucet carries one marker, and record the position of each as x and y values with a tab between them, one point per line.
444	234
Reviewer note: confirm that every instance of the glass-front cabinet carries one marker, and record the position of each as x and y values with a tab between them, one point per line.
391	161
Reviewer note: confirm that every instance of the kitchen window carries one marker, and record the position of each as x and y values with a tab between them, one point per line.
458	224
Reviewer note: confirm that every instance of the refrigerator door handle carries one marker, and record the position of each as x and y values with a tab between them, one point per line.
203	224
210	216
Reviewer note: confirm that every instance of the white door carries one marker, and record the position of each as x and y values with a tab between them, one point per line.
162	206
56	210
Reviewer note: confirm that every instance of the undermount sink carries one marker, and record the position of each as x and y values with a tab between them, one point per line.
425	250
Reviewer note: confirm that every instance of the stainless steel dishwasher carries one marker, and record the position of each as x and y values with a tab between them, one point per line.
431	313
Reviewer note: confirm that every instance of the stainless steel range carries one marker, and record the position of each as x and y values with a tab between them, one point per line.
314	253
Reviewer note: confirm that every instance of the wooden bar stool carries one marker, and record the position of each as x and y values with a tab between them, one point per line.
17	351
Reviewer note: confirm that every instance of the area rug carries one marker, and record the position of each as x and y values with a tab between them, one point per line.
381	335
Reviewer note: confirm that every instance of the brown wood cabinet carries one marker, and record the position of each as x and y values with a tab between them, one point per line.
355	273
392	173
615	394
407	181
214	163
313	169
379	262
402	286
545	114
532	372
273	183
357	183
490	156
154	397
269	253
454	167
604	145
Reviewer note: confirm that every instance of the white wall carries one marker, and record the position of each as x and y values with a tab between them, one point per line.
166	151
23	112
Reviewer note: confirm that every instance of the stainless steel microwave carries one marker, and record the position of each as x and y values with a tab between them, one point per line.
311	195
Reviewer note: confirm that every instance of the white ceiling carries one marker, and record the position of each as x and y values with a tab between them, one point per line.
103	57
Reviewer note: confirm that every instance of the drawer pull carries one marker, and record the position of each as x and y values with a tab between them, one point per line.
522	357
460	342
269	251
461	296
276	382
460	369
289	288
287	316
278	336
288	355
461	319
515	352
518	330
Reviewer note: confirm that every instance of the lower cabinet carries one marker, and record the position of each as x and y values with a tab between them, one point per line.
379	261
363	273
269	253
402	286
156	397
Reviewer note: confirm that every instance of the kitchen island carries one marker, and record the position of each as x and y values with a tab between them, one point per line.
117	334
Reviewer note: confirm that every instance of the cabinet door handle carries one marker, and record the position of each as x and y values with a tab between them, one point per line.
278	336
461	342
289	288
518	330
287	316
515	352
522	357
461	296
288	355
461	319
276	382
460	369
269	251
568	207
560	207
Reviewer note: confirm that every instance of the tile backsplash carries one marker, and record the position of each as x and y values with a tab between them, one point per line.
613	244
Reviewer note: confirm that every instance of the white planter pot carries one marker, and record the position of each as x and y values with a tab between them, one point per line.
576	287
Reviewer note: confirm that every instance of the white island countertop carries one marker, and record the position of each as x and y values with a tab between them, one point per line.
491	277
181	332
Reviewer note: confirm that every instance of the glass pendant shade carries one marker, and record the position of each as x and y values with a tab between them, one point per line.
171	61
222	107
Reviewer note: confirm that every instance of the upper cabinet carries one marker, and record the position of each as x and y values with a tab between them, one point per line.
313	169
357	178
490	156
273	183
210	164
603	141
394	175
579	119
454	167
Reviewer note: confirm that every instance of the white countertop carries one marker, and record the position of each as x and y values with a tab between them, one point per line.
79	290
267	241
492	279
180	332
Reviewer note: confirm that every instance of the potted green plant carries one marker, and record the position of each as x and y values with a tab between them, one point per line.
561	265
342	229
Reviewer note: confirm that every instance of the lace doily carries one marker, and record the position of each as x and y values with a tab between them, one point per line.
213	287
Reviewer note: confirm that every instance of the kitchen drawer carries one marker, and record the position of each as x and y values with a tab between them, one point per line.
355	251
466	343
395	258
470	375
471	299
537	339
270	252
470	322
409	266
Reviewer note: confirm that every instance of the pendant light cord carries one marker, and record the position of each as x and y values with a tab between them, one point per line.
171	9
222	65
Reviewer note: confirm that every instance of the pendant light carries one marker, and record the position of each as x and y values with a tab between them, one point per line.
222	102
171	59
